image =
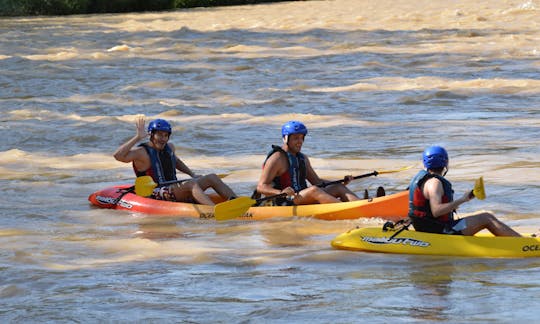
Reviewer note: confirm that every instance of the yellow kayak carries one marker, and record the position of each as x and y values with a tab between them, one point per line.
374	239
392	207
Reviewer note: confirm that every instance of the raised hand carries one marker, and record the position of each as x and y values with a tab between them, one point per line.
141	129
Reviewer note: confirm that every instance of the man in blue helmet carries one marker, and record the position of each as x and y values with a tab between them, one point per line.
157	158
432	205
286	170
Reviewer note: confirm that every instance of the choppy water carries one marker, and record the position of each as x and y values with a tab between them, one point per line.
375	82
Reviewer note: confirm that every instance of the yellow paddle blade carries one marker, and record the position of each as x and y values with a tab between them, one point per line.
394	171
144	186
478	190
233	208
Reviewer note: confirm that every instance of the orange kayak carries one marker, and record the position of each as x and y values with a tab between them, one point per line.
392	207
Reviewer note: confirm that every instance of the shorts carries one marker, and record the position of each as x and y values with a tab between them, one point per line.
283	202
163	193
430	225
458	226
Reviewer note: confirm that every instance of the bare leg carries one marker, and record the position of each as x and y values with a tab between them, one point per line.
484	220
214	182
341	191
314	195
200	196
191	190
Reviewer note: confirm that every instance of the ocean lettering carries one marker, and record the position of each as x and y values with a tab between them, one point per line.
528	248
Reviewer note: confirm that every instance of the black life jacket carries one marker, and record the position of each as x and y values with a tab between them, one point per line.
296	177
163	164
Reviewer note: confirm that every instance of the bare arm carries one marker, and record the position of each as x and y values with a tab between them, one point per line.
180	165
125	153
273	168
433	190
311	175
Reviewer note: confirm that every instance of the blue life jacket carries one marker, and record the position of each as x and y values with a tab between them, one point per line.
296	177
163	164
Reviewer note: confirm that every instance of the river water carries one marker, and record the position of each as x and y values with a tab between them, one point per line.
374	81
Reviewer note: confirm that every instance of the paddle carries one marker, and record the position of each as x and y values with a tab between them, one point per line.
124	192
234	208
374	173
478	190
404	226
404	223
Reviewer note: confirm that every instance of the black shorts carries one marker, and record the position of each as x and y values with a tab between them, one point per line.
430	225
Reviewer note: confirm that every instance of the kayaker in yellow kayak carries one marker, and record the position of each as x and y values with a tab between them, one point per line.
157	158
432	206
286	170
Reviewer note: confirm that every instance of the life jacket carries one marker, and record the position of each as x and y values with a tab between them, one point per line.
419	205
296	177
163	164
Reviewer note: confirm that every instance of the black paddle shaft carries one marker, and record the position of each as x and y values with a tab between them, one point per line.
270	197
325	184
404	226
172	182
124	192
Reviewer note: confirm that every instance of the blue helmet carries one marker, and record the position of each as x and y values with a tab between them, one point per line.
293	127
159	125
435	157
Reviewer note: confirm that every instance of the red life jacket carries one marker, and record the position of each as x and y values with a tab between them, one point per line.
419	205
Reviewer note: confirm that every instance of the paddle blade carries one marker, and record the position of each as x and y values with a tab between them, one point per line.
233	208
478	190
144	186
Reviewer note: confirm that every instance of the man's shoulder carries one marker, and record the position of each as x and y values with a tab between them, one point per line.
140	152
433	183
139	148
278	162
277	156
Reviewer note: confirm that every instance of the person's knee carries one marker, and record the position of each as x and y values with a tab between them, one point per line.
339	190
187	185
342	189
485	219
211	178
196	188
489	217
205	181
311	190
314	191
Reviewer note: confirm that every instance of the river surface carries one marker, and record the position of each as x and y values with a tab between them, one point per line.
374	81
